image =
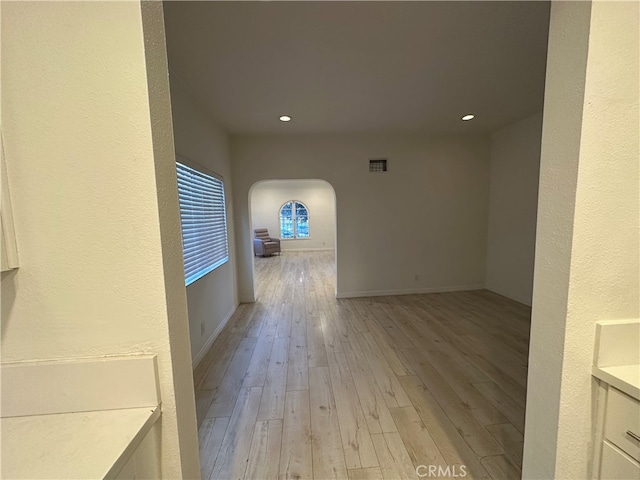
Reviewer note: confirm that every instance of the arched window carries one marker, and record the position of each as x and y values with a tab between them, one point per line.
294	220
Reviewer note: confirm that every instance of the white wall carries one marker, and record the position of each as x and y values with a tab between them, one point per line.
90	168
425	217
212	299
513	202
317	195
587	252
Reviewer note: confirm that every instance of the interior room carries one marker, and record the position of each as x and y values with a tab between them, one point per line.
454	210
318	201
450	192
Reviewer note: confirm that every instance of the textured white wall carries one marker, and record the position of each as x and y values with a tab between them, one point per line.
605	258
185	427
317	195
212	299
587	253
513	201
427	216
94	198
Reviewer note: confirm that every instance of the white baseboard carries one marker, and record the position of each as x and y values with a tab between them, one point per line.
205	348
409	291
321	249
517	298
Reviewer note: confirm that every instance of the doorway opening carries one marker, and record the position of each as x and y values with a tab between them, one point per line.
301	214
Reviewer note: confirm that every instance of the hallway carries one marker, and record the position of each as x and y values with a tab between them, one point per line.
302	385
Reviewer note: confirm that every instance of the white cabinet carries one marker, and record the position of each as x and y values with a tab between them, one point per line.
128	472
93	418
616	366
616	465
618	441
622	422
144	462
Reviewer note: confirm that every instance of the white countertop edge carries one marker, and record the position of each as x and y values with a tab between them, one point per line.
625	378
133	445
48	446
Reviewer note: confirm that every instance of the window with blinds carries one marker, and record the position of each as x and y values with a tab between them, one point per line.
204	222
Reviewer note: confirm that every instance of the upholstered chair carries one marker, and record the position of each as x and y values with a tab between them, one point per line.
263	244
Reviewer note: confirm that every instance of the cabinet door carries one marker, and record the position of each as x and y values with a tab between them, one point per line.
618	466
622	422
128	472
147	455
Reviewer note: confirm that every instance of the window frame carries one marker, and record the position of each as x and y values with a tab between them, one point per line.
294	222
224	255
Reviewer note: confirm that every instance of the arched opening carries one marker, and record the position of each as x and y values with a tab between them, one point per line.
301	214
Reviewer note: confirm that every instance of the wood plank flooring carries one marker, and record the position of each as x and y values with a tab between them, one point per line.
300	385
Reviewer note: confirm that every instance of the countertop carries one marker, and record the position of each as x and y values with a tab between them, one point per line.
625	378
616	356
83	445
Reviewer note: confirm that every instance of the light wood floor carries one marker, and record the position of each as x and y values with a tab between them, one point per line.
300	385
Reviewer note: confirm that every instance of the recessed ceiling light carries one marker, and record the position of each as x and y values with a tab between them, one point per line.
465	118
285	118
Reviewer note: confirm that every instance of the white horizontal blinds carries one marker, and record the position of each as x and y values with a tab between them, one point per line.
204	222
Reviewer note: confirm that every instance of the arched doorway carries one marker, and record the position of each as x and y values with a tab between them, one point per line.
302	214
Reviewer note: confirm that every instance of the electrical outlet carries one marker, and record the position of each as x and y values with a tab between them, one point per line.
202	329
417	277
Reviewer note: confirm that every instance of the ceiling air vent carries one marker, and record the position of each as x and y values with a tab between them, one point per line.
378	165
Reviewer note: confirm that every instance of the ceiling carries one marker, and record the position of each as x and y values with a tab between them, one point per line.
360	66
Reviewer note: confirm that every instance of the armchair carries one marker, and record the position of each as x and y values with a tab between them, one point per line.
263	244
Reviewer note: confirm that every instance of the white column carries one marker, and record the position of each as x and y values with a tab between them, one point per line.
587	250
